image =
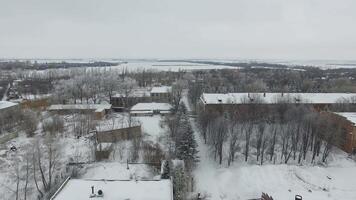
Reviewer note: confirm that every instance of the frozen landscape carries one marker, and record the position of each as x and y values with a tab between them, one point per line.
178	100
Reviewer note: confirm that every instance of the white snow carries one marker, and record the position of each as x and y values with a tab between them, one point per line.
7	104
351	116
270	98
154	65
117	171
151	125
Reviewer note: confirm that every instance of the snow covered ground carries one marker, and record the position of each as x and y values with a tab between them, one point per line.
118	171
151	127
283	182
247	181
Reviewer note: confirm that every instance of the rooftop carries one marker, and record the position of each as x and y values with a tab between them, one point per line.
151	107
80	189
161	89
351	116
7	104
117	183
271	98
96	107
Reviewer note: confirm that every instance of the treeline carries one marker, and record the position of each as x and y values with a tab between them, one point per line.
287	133
13	65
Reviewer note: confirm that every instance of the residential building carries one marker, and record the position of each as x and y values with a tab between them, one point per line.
348	122
222	101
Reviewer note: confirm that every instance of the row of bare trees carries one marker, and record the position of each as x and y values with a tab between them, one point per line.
294	133
93	86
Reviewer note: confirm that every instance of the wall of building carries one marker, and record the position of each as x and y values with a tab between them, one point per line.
349	129
119	134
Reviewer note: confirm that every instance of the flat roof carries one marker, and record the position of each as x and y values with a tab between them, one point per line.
96	107
271	98
151	107
351	116
80	189
7	104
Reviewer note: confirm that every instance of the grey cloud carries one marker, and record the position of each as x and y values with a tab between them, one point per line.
295	29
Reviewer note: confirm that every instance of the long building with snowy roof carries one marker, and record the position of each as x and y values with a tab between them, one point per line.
321	101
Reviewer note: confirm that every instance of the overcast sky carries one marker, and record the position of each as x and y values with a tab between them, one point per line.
256	29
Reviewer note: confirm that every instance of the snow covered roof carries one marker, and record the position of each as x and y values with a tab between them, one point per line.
95	107
161	89
351	116
151	107
80	189
7	104
271	98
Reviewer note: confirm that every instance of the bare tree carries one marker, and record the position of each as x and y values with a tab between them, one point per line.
248	130
177	91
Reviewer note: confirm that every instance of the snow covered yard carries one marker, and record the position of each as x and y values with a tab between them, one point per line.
244	181
281	181
118	171
151	127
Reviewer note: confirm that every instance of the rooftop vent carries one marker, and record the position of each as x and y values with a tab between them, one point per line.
100	193
93	195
